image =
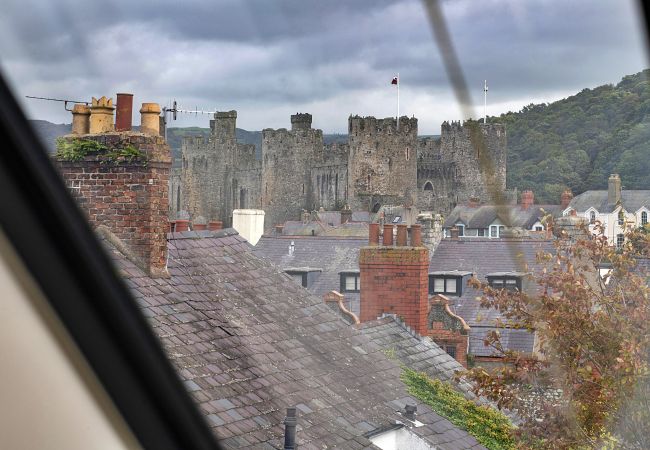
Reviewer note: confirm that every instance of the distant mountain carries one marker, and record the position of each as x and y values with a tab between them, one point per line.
48	132
577	142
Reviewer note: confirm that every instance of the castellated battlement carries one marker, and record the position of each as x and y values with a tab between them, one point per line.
457	125
301	121
370	125
223	125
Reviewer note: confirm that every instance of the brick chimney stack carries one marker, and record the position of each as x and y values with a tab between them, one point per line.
527	199
122	186
566	198
613	189
395	279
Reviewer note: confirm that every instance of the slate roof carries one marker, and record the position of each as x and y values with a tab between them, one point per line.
512	339
631	200
331	254
414	351
248	342
483	256
483	216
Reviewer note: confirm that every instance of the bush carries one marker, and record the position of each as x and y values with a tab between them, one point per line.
490	427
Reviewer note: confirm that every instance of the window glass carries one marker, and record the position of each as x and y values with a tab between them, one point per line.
644	218
592	216
438	285
451	350
450	285
481	231
461	230
620	240
351	283
621	217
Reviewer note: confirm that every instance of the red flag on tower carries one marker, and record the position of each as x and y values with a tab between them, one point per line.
394	80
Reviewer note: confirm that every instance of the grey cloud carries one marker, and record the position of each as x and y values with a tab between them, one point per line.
298	52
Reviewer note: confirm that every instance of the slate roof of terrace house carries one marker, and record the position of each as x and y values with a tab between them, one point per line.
331	254
248	342
414	351
483	256
632	201
484	215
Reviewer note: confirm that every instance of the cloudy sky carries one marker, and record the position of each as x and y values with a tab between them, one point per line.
271	58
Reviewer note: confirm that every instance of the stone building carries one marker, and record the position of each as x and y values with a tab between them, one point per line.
381	164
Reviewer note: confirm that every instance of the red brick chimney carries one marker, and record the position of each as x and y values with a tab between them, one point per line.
566	198
122	187
527	199
394	280
473	202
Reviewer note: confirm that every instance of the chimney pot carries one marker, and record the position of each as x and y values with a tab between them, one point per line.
416	235
402	235
149	122
278	229
80	119
124	112
373	234
101	115
215	225
182	225
172	226
388	235
454	232
473	202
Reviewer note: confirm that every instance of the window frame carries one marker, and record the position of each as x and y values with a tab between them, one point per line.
445	291
343	278
509	282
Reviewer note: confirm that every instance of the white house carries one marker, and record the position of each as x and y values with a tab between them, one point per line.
616	209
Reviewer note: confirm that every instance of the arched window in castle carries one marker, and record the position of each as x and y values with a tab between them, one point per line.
644	218
407	153
178	198
592	217
428	186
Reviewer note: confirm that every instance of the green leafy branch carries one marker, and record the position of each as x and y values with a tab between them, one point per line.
490	427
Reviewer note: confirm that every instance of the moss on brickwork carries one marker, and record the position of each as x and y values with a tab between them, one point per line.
78	149
490	427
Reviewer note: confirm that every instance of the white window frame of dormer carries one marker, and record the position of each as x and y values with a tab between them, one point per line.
537	224
498	232
639	216
588	215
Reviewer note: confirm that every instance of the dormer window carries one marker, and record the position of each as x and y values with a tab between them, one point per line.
447	282
621	217
644	218
304	276
511	281
350	282
592	217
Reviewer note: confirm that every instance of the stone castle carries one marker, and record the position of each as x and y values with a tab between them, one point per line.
381	164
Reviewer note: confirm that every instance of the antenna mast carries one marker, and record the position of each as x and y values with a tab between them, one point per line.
485	89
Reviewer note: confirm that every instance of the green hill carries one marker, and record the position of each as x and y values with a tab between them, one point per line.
577	142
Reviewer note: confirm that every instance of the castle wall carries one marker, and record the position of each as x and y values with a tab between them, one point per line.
468	160
382	162
480	169
329	174
287	157
378	166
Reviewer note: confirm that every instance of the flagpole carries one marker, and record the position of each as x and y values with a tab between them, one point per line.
485	89
397	101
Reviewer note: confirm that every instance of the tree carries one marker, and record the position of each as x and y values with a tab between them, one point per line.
594	342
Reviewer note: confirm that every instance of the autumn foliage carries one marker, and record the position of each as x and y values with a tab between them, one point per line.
586	386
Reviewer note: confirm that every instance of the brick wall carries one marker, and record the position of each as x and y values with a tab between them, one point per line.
395	280
129	198
447	329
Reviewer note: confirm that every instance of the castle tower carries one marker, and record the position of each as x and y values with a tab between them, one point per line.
286	162
478	152
207	170
382	162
